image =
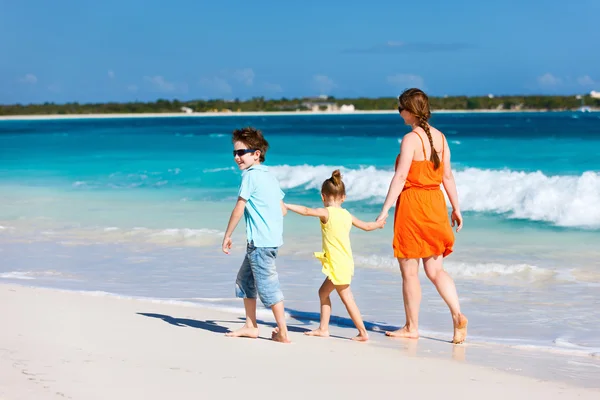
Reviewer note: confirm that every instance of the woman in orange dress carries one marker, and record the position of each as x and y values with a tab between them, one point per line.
421	226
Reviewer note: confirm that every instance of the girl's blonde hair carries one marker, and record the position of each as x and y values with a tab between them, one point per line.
334	187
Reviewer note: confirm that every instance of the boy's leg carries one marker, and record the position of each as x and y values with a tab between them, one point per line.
250	328
280	334
348	300
246	288
324	292
262	262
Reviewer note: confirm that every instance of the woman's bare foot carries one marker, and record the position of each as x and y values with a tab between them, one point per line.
361	337
278	337
317	332
404	332
460	329
245	331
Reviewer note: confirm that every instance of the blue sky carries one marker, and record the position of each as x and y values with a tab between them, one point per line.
82	50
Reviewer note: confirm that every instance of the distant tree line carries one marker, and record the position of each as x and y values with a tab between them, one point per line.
303	104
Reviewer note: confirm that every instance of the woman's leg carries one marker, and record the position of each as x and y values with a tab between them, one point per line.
348	300
411	292
324	292
446	288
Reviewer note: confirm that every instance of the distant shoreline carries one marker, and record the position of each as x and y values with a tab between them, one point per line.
251	114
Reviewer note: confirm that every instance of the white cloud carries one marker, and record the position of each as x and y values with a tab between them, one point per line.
29	78
395	43
160	84
323	84
111	73
245	76
549	80
132	88
273	87
216	85
404	81
585	80
55	87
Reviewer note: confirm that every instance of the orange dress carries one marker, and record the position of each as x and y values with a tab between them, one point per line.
421	223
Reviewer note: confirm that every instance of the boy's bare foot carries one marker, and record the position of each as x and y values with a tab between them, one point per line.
403	332
245	331
317	332
460	329
278	337
361	337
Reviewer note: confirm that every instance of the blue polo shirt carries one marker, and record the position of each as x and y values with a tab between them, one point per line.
263	217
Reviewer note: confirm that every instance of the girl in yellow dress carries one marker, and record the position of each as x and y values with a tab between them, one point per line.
336	257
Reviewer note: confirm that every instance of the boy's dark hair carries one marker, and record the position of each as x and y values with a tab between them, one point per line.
253	139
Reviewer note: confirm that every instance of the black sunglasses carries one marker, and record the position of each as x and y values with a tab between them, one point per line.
400	108
241	152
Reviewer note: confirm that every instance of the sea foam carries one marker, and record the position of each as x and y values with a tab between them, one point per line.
562	200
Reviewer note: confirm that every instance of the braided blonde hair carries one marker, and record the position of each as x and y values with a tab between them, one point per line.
416	102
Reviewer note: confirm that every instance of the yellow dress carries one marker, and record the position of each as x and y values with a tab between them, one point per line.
336	257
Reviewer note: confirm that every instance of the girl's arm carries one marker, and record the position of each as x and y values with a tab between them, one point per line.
283	209
407	153
450	187
309	212
368	226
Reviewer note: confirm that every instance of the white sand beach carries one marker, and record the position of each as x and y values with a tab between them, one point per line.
57	344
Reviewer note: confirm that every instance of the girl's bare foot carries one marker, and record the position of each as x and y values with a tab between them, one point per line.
278	337
245	331
361	337
460	329
317	332
403	332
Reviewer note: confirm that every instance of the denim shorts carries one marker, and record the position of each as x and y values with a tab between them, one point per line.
258	274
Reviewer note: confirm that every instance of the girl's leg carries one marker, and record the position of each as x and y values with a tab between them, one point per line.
348	300
411	292
446	288
324	292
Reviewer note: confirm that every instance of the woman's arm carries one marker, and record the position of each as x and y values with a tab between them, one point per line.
407	153
450	188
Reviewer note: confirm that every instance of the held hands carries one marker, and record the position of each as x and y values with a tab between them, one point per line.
382	217
226	246
381	220
457	220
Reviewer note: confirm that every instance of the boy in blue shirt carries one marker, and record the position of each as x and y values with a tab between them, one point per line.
260	200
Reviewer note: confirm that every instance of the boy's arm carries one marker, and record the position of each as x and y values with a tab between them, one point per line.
367	226
236	215
309	212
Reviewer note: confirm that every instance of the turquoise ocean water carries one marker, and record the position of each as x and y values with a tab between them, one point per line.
138	206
